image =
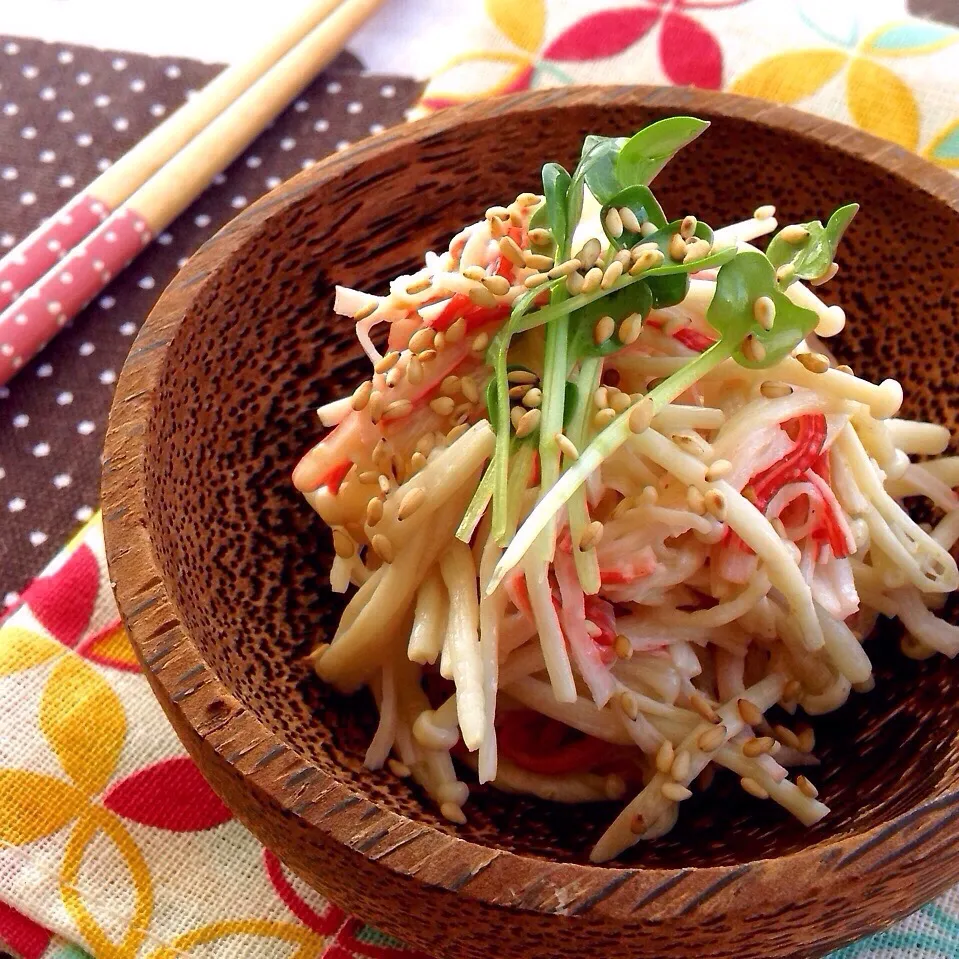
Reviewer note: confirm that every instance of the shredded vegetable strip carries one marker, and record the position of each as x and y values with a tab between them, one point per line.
606	500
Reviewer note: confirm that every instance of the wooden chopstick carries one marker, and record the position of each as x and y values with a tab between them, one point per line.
32	257
30	321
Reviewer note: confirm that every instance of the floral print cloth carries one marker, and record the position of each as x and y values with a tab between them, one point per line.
110	841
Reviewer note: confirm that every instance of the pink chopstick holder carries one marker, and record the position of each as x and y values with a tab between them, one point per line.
32	258
28	324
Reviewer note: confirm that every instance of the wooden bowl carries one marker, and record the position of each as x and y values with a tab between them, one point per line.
221	569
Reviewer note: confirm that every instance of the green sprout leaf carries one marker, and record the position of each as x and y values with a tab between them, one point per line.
556	184
671	288
812	257
598	165
649	150
731	313
621	303
644	205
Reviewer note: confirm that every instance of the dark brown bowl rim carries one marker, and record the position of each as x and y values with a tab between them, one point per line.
186	685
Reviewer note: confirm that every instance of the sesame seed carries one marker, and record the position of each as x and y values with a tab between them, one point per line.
376	405
664	757
515	415
619	402
701	705
401	770
647	260
536	261
475	273
395	375
368	476
628	704
764	312
603	330
383	547
564	269
386	363
500	212
411	502
470	389
754	747
611	274
814	362
427	356
630	329
591	536
457	330
695	501
764	212
807	740
750	712
480	343
752	349
844	368
384	483
687	229
509	248
518	392
366	311
712	738
675	792
676	248
628	219
641	416
697	250
528	422
601	397
450	385
497	285
785	273
442	405
497	227
649	496
603	418
614	222
481	297
615	786
717	470
566	445
647	229
425	444
417	462
456	432
343	543
637	825
753	788
680	768
452	812
420	286
361	395
592	280
786	736
414	370
774	390
827	276
794	233
590	252
533	398
528	199
806	787
715	504
521	376
540	237
574	283
793	690
536	279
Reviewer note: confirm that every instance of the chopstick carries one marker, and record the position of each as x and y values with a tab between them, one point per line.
32	257
103	243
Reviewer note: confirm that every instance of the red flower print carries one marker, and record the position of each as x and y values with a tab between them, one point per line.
689	53
63	601
170	794
603	34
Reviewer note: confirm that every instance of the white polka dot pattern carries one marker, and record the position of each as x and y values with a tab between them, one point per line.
53	413
27	325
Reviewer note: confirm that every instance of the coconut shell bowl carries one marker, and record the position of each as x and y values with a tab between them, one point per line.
221	567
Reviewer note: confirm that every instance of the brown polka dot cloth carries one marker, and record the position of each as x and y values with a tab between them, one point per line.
66	113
